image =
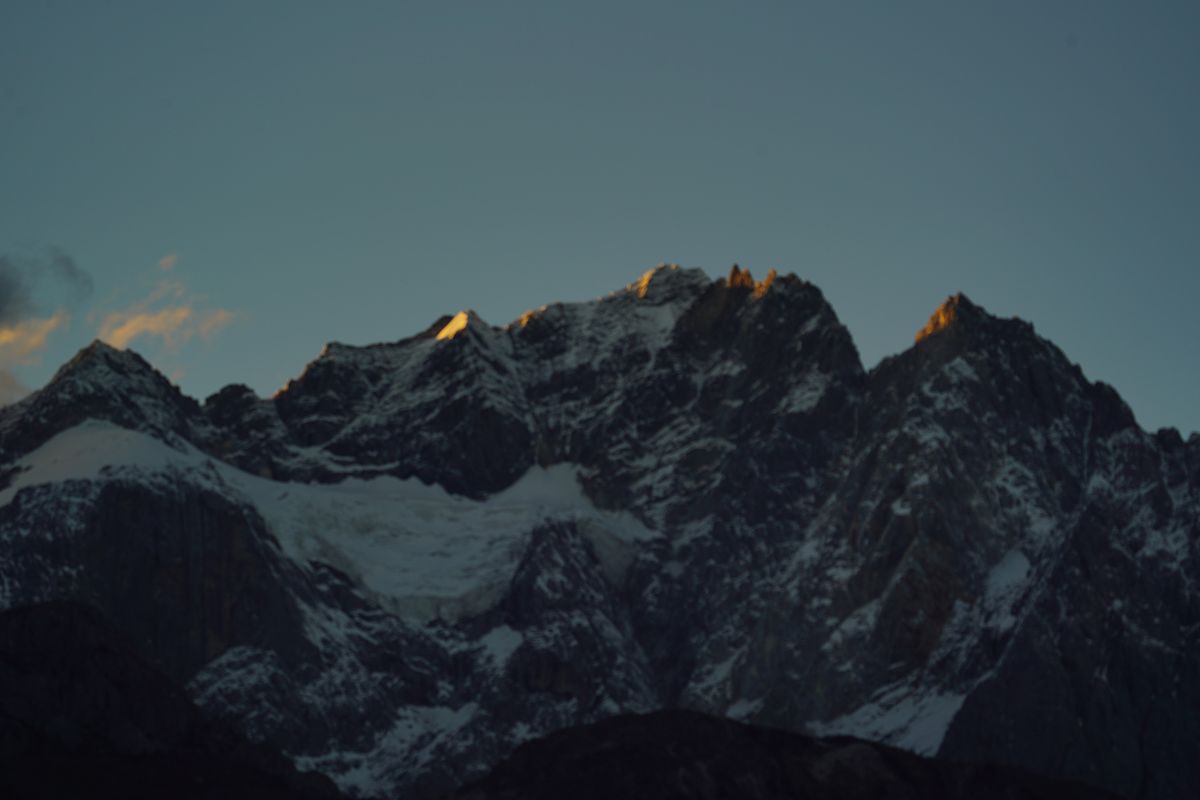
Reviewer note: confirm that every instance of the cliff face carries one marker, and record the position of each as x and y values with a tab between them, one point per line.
686	494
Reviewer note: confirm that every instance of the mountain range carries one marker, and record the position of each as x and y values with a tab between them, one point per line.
688	494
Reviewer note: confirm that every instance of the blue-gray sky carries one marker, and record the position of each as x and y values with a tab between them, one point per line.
293	173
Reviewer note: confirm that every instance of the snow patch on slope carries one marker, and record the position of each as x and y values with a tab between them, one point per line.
434	729
1005	585
806	394
90	450
899	717
419	551
500	643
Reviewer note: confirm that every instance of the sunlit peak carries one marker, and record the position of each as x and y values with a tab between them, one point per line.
643	285
524	319
742	279
652	278
454	326
945	316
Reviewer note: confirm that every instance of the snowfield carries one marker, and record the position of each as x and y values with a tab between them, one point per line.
420	552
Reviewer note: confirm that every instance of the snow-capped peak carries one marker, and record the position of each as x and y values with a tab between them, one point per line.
667	282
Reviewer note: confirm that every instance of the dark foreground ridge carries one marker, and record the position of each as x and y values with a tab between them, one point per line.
81	715
683	755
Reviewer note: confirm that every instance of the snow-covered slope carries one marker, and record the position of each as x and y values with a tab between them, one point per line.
412	548
414	560
686	494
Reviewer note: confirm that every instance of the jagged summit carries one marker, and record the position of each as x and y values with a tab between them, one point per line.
101	355
956	307
742	279
100	365
667	286
99	347
666	281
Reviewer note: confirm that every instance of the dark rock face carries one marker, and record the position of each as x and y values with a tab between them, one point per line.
1100	690
683	755
82	715
687	494
187	572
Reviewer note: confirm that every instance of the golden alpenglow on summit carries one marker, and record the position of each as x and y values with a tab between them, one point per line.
944	317
741	278
454	327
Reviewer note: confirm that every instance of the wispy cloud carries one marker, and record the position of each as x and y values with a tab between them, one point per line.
122	327
39	291
169	313
214	320
22	341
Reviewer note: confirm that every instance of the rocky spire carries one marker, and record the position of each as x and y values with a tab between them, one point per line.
742	279
955	308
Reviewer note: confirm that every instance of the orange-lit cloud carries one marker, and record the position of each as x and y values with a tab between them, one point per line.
167	262
213	321
169	313
175	325
20	342
120	328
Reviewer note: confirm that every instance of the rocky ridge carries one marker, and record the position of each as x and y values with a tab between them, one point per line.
687	494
